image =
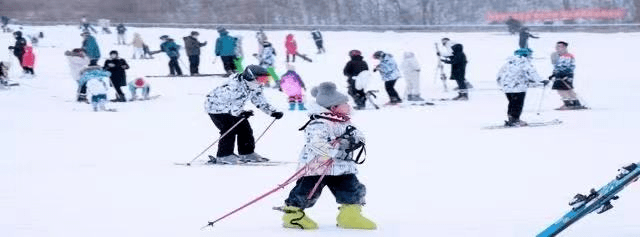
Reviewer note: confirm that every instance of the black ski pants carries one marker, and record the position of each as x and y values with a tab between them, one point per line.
359	96
194	63
516	102
226	145
389	87
174	66
228	63
346	188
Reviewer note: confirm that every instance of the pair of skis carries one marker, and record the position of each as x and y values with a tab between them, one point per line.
198	75
598	201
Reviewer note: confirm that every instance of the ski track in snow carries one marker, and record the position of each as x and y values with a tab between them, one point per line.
431	170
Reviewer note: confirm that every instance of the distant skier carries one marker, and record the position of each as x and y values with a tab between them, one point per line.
192	46
86	26
77	62
262	38
292	85
291	46
5	23
97	85
458	61
329	134
172	50
136	84
411	70
28	60
317	37
121	31
239	53
353	68
524	37
390	74
514	78
18	47
138	47
514	25
226	49
91	48
225	107
117	66
563	67
267	60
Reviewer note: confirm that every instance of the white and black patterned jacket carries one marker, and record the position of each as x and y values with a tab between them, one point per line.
230	98
517	75
319	134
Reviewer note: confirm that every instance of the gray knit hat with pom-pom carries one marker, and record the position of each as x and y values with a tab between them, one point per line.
327	96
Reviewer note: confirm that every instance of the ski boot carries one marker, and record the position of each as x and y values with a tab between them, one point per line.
580	199
626	170
462	96
232	159
253	157
565	106
292	106
301	107
410	98
575	105
417	98
350	217
295	218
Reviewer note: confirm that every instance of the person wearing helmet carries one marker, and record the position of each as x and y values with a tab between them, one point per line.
172	50
225	106
514	78
267	59
192	46
18	47
90	47
139	83
458	61
317	37
291	46
390	74
353	68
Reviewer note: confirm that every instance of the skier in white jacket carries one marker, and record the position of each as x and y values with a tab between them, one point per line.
514	78
78	60
411	70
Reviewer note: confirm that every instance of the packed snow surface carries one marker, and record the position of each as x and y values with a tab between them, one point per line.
431	170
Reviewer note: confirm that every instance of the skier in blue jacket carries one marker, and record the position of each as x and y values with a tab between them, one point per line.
226	49
91	48
170	47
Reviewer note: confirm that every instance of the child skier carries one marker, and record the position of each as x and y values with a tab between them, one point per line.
390	75
291	84
563	67
117	66
292	47
514	78
267	60
239	54
458	62
224	105
28	60
329	135
139	83
411	71
138	46
97	85
78	61
352	69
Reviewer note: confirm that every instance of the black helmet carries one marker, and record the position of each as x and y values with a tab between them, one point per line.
17	33
254	71
266	44
113	52
164	37
221	29
194	33
378	54
355	52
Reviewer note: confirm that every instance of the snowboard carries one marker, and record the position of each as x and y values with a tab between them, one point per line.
199	75
599	200
304	56
531	124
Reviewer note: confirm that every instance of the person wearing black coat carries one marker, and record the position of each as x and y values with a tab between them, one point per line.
192	46
458	63
524	37
18	48
116	66
352	69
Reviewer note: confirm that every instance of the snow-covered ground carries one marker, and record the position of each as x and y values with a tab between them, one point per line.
431	171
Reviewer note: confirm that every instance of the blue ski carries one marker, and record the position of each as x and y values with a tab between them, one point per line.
600	200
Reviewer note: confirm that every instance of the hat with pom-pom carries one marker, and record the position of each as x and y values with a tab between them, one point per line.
327	96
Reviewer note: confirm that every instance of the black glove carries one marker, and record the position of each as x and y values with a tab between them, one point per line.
10	47
246	114
551	77
277	115
438	53
545	82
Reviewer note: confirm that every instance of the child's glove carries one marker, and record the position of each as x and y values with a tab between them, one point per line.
277	115
246	114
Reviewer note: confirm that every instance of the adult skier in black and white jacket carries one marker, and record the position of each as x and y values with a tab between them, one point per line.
514	78
225	107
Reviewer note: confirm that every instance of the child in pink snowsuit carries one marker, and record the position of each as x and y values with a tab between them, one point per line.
291	84
28	60
292	47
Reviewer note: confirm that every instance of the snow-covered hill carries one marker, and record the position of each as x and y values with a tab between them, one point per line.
431	171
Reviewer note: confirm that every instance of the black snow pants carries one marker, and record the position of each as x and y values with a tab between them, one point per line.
516	102
346	188
226	145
